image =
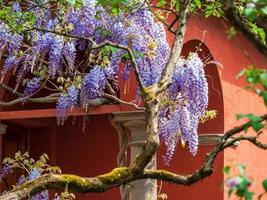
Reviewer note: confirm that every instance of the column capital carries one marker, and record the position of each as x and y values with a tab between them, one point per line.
124	116
135	121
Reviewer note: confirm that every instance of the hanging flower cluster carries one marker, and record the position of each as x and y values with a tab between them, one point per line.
184	103
45	54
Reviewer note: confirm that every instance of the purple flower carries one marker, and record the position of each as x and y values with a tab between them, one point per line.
10	63
56	47
14	44
66	102
234	181
169	129
16	7
93	85
69	53
21	180
32	86
188	95
6	169
34	174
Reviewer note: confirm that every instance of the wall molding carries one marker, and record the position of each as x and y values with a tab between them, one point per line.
137	118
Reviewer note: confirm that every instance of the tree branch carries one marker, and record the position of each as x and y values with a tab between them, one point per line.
52	98
177	46
118	100
123	175
231	15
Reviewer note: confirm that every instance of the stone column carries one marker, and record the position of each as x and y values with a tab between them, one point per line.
136	123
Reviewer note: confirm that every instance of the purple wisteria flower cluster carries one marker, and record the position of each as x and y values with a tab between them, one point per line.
32	86
66	102
51	56
186	101
139	30
5	170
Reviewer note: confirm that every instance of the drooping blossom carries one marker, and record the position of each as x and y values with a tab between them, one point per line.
66	102
31	87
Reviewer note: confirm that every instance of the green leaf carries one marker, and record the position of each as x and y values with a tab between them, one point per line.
261	34
264	10
240	116
249	195
230	192
250	13
264	184
197	3
263	94
226	169
115	11
257	126
161	3
254	121
241	168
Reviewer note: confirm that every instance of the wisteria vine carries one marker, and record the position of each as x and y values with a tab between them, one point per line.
37	54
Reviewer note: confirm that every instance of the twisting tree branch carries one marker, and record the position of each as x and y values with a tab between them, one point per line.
52	98
118	100
123	175
46	99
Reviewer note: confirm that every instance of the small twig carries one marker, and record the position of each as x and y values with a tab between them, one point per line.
109	96
47	99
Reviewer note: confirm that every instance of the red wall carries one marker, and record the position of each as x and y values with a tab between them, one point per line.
88	153
94	151
234	55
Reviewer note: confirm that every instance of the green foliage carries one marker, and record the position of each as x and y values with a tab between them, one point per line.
75	3
257	79
254	121
255	9
239	183
226	170
161	3
258	31
116	5
264	184
27	164
251	14
213	8
15	19
231	33
24	162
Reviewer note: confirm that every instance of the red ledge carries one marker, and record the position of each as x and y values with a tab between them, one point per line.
44	113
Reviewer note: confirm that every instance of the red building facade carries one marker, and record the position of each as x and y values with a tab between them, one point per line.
93	151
